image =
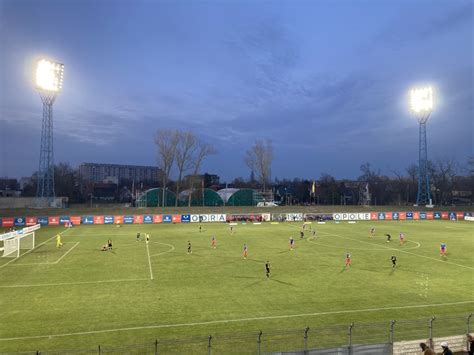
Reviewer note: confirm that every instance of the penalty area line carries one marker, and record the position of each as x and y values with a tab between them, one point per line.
72	283
176	325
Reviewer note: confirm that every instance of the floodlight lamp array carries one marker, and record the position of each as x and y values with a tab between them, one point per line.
421	100
49	75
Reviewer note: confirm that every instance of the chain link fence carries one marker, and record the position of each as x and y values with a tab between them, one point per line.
351	339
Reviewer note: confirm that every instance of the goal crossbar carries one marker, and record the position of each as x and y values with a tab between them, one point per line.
13	246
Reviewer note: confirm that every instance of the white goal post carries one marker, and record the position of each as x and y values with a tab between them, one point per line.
12	246
14	241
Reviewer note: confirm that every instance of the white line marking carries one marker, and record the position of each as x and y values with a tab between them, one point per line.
57	261
176	325
163	252
406	252
149	261
73	283
29	251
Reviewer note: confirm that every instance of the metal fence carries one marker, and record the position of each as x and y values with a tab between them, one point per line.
352	339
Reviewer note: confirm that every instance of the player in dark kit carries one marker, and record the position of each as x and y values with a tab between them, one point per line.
389	237
138	236
189	248
267	269
301	234
200	228
394	261
109	244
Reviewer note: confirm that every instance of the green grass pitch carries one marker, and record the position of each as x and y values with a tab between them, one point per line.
77	297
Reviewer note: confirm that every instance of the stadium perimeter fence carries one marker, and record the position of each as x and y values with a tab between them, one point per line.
395	337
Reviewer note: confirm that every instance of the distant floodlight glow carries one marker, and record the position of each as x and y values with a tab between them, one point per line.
49	75
421	100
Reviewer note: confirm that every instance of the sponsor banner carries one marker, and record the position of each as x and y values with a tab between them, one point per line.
43	221
157	218
98	219
148	218
294	217
381	216
167	218
453	216
444	215
460	215
30	221
176	218
374	216
429	215
87	219
395	216
108	219
467	214
138	219
185	218
351	216
19	221
409	215
402	216
437	215
118	219
195	218
416	215
266	217
8	222
469	218
53	221
128	219
64	219
75	220
423	215
388	216
222	218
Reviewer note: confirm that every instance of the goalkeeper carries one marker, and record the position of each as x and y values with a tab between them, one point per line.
58	241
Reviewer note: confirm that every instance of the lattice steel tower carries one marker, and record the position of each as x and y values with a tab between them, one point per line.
49	79
421	102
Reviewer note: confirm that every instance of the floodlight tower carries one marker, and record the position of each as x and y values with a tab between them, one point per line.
421	105
49	82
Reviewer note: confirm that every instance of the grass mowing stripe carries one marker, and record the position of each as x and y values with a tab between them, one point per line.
236	320
149	261
403	251
73	283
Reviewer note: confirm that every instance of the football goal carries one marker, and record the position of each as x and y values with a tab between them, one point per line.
12	246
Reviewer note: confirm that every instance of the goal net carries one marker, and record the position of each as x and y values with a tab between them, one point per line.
12	246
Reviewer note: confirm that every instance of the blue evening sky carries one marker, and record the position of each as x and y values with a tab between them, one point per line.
325	80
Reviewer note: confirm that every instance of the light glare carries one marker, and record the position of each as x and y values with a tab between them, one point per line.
49	75
421	100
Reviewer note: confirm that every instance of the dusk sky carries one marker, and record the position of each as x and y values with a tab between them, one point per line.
326	81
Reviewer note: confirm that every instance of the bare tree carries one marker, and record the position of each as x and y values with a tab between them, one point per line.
166	141
259	159
202	151
187	144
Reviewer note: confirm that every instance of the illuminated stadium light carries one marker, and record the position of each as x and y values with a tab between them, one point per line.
421	100
49	83
49	75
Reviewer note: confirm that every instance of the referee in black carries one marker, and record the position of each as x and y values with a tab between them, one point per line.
394	261
267	269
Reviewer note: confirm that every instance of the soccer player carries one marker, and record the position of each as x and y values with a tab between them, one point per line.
442	249
109	244
348	260
214	242
313	232
138	236
267	269
372	232
246	251
58	241
189	248
200	227
292	243
389	238
231	230
147	238
301	235
394	261
402	238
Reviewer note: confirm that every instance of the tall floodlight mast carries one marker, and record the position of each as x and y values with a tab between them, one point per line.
421	106
49	82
